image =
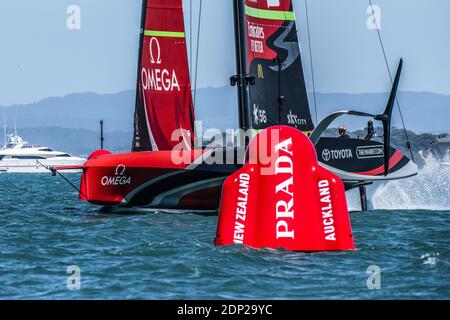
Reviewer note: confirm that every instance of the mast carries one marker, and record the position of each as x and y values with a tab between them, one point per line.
102	139
242	79
141	42
4	130
138	69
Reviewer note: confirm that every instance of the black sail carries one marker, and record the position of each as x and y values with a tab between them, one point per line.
279	94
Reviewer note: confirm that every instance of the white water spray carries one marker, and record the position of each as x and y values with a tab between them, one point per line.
429	190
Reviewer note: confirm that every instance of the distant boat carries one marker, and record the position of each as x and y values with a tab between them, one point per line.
443	138
17	156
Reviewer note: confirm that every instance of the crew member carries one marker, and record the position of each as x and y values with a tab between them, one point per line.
343	133
370	130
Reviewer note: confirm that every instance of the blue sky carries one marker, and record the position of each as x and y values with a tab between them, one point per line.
40	57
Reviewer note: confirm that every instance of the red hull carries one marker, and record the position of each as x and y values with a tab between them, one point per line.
153	179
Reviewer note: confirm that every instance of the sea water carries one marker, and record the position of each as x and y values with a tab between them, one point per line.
55	247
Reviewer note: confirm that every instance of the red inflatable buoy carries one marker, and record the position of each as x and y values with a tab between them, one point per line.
282	198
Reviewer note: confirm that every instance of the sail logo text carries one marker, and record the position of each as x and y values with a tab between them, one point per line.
328	155
241	208
118	179
273	3
158	79
256	32
259	115
295	120
370	152
260	71
285	194
327	210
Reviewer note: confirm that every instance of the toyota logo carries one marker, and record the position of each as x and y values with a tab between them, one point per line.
326	154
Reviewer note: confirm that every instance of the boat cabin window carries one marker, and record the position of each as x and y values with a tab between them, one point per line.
45	149
63	155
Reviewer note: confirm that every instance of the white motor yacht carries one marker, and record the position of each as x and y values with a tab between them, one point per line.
17	156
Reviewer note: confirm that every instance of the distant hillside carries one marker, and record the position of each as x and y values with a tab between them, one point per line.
423	112
76	111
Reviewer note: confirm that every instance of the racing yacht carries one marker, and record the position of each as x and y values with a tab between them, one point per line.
271	91
18	156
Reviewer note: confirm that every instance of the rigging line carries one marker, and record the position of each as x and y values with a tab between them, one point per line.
311	61
392	80
67	180
190	36
198	46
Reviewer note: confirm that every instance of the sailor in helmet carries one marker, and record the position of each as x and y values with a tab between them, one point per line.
343	133
370	130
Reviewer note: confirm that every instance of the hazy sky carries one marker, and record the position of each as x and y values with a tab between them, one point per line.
41	57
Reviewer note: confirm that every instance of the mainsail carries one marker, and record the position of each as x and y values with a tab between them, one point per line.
164	102
279	94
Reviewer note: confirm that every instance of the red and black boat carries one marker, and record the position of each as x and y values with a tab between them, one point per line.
167	169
